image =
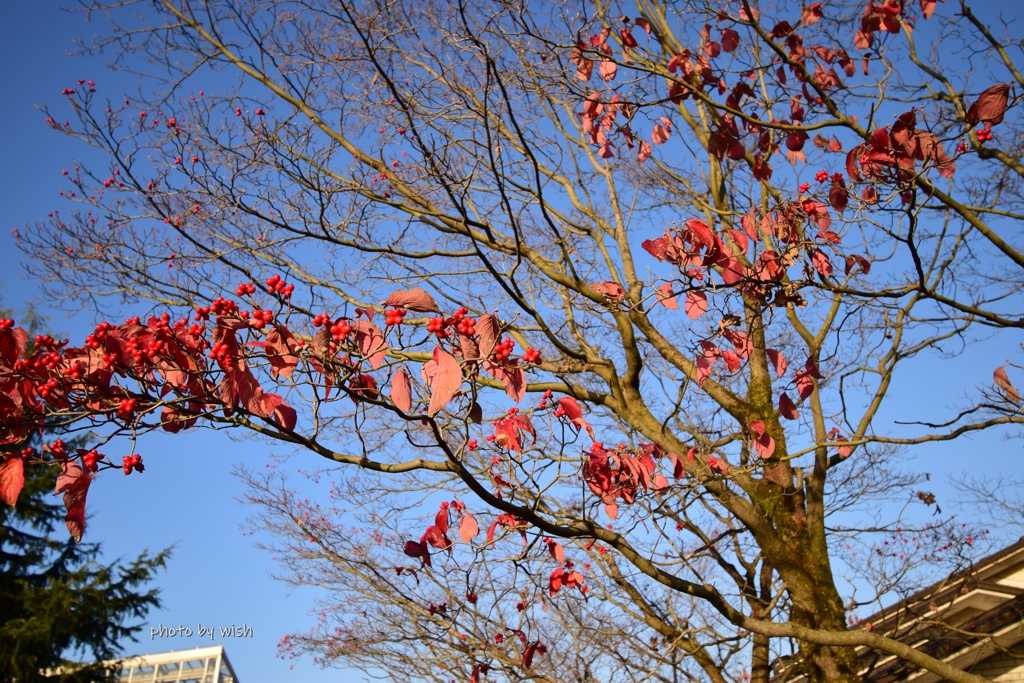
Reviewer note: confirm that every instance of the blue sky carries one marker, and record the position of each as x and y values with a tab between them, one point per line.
187	496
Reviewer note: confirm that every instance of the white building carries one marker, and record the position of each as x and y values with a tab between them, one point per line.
201	665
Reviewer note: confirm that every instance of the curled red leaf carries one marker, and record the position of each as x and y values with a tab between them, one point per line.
990	106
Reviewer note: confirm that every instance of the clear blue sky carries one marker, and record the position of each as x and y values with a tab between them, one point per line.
187	496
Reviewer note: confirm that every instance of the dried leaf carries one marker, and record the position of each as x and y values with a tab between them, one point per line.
990	106
612	290
1002	380
414	299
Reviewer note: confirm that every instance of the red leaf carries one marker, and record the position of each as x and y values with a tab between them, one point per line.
660	134
528	655
371	342
838	197
811	14
584	69
749	224
12	479
574	412
786	407
732	271
644	24
401	390
468	528
74	484
279	411
607	70
435	537
12	344
665	297
511	377
857	260
703	370
1002	380
417	549
730	39
612	290
804	384
488	330
414	299
612	510
239	387
778	361
557	552
280	345
990	106
643	151
696	304
821	263
174	421
555	582
446	382
441	520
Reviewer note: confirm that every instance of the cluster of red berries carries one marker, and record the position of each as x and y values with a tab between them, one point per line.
531	356
57	448
471	445
245	288
222	306
132	462
90	460
471	598
439	326
126	408
804	187
6	323
394	316
504	349
220	353
340	330
985	134
261	319
275	285
821	176
44	390
442	608
75	372
464	325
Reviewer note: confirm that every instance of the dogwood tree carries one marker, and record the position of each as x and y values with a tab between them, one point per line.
597	307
